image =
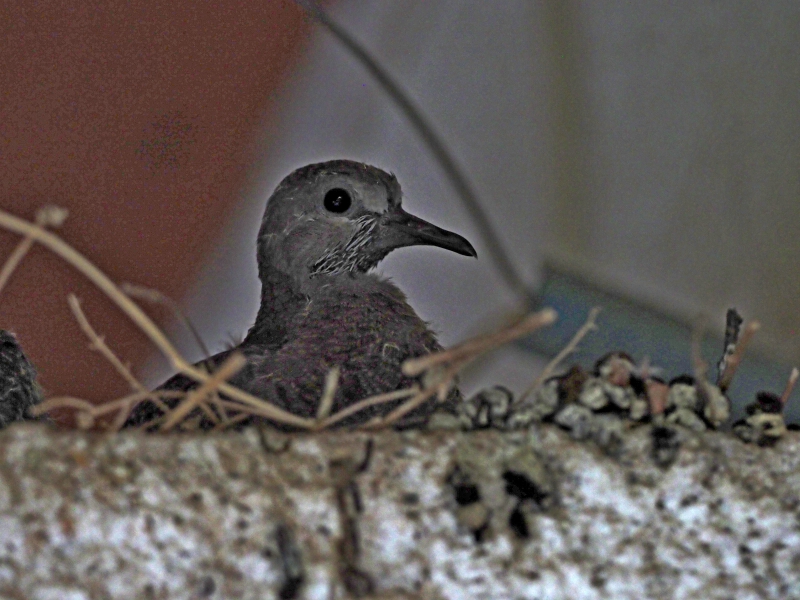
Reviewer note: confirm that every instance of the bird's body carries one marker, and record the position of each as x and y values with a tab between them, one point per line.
18	388
325	227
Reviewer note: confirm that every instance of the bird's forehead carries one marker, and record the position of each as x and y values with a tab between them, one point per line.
374	195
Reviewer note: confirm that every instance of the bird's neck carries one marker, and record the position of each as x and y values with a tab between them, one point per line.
281	299
284	297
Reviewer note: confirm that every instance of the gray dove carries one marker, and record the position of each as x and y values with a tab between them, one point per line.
326	226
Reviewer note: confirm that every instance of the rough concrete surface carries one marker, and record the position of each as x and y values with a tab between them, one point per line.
441	515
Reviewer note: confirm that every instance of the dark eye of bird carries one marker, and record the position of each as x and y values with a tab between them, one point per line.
337	200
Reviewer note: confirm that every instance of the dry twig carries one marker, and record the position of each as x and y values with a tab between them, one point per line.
456	359
366	403
657	394
145	293
231	421
736	358
92	411
421	397
328	393
699	365
232	365
97	342
790	386
733	322
157	297
467	351
47	216
588	326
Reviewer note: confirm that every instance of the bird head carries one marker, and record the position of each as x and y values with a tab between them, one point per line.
340	217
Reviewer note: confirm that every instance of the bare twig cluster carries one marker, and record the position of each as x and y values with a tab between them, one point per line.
37	233
444	366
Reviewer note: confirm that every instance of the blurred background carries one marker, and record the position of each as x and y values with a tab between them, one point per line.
644	157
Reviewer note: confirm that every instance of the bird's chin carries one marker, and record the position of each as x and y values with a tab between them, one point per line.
373	260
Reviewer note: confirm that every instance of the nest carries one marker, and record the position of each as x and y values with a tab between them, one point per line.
616	394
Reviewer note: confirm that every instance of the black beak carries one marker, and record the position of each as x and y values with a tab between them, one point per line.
400	229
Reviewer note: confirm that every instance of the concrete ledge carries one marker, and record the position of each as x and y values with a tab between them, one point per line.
434	515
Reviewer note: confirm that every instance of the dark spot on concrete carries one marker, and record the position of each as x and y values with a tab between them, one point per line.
466	494
599	577
410	498
357	583
747	557
464	490
665	446
207	587
41	536
369	448
521	486
518	524
291	563
480	533
355	494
